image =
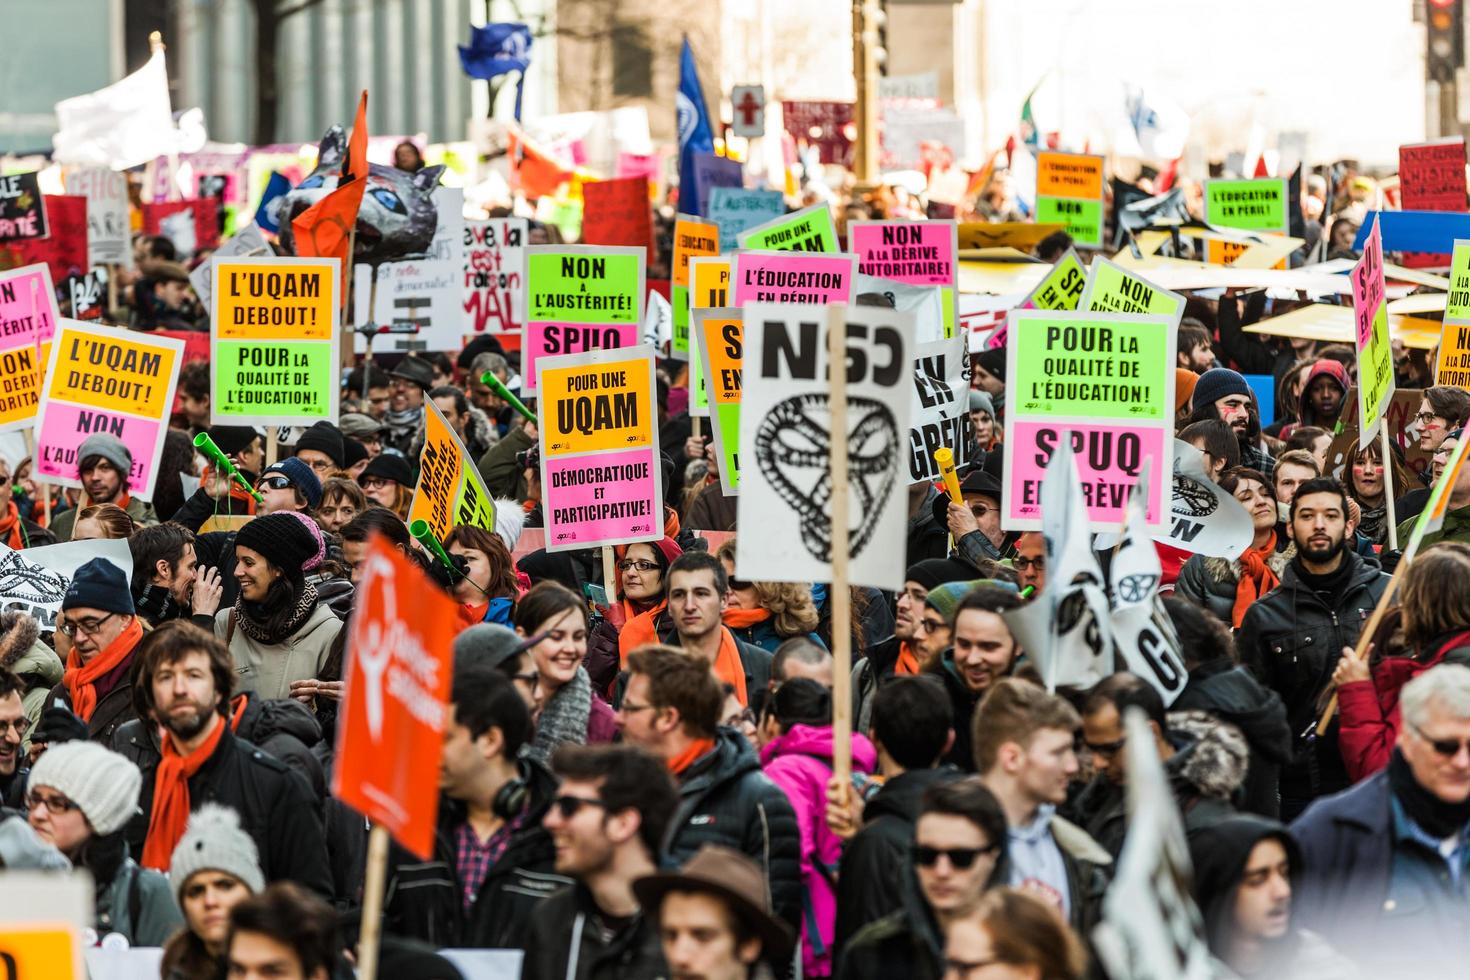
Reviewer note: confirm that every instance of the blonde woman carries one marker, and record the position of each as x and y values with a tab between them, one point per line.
766	614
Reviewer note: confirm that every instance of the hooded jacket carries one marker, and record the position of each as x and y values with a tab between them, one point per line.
926	537
1324	368
1207	768
1210	582
1291	639
906	943
800	762
561	923
37	665
724	798
1231	693
963	702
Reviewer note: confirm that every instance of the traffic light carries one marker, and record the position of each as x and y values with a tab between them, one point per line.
1445	29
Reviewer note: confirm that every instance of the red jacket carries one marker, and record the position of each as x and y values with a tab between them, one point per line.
1370	709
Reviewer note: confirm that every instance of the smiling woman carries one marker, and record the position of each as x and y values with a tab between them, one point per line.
556	618
1228	587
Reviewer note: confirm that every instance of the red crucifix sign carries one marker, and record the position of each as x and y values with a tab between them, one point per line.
748	103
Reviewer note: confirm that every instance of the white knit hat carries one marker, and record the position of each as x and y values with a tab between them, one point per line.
214	841
102	783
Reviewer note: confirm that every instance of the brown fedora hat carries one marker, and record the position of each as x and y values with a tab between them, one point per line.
730	875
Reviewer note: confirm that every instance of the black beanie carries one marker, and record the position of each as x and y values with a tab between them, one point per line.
931	573
389	467
99	584
281	540
993	361
353	452
326	438
232	439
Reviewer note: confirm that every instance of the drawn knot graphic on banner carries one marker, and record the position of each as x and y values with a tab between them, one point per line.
793	449
1192	499
20	580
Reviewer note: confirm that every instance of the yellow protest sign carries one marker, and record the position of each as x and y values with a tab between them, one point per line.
709	282
270	301
449	491
28	317
33	951
590	407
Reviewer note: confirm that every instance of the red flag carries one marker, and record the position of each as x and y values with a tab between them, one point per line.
355	164
325	228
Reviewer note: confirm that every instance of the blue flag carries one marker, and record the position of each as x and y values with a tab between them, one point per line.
275	188
695	135
496	49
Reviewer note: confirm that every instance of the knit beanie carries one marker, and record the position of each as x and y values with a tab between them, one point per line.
325	438
214	841
103	784
1216	383
110	448
353	452
389	467
281	540
489	644
993	360
99	584
302	477
980	401
232	439
315	530
931	573
946	597
1184	384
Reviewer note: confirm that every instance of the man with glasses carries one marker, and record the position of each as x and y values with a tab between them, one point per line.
322	448
979	651
1030	561
959	842
672	708
1457	517
13	727
974	525
105	469
98	618
409	381
1383	874
607	823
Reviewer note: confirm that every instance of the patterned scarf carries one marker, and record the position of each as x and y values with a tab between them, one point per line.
564	718
260	630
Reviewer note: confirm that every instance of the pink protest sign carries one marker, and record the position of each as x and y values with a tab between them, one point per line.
1367	280
548	339
793	277
921	253
589	511
65	427
28	316
1109	459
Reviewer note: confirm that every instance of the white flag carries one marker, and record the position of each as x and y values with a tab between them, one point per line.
1142	631
35	580
1067	630
125	124
658	322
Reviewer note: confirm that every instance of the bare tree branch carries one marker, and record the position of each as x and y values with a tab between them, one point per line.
284	12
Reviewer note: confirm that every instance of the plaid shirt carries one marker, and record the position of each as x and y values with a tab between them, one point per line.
473	858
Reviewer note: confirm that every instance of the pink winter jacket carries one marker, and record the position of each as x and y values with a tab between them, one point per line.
800	762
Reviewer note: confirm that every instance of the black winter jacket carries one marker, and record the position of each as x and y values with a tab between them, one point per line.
275	805
906	943
724	798
1291	639
1231	693
563	928
962	702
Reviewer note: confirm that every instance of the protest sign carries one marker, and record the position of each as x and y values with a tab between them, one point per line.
1069	191
1067	375
939	415
89	294
807	230
1113	289
28	318
823	125
719	342
692	237
391	730
191	224
601	482
710	172
495	274
1454	342
52	951
273	330
106	380
35	580
450	490
582	298
109	230
786	433
1060	290
709	282
64	249
616	212
920	253
1203	518
1150	926
1375	356
22	207
926	303
1257	204
247	241
1432	178
783	277
1143	633
421	298
735	210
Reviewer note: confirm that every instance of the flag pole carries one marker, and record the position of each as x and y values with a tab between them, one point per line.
1393	531
841	598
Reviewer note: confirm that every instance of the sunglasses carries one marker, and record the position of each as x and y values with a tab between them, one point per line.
1447	747
568	807
960	857
741	584
274	483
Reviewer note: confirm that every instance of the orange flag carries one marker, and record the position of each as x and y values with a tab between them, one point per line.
535	171
355	165
325	229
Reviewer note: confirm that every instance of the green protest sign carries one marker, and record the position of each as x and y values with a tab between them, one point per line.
1114	289
1253	205
1062	287
807	230
1084	219
278	384
585	288
1090	366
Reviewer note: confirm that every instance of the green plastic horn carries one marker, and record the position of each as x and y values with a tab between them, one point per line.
420	529
500	389
206	445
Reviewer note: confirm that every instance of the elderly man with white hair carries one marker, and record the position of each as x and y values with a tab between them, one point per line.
1385	862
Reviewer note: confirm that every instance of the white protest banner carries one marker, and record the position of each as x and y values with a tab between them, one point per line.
247	241
786	438
420	299
940	413
495	275
658	322
109	233
1142	630
1375	356
35	580
1205	519
1151	929
926	303
1066	629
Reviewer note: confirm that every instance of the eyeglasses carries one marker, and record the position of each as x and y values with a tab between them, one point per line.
319	465
629	708
980	510
1447	747
375	483
530	678
628	564
1424	418
568	807
1108	749
87	626
20	726
960	857
931	625
274	483
53	804
1020	564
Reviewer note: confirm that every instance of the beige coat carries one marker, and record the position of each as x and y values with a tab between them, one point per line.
269	670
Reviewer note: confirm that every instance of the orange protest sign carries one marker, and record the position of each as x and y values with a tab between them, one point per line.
722	337
33	951
391	729
274	299
692	237
603	403
102	369
1077	175
709	282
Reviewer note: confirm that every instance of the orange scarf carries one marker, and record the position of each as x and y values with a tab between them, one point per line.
171	798
728	668
908	661
1256	579
689	756
470	614
81	679
739	619
10	526
639	630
